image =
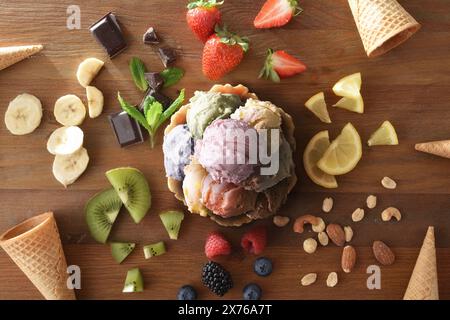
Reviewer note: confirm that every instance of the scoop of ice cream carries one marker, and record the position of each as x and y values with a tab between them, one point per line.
259	114
260	182
192	187
227	199
228	150
207	107
178	147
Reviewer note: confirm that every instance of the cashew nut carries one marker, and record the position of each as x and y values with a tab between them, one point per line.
306	219
390	212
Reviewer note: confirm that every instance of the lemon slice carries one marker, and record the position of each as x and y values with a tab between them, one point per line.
343	154
349	86
317	105
384	136
351	104
313	152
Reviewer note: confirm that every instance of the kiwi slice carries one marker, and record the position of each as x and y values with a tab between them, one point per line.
132	188
121	250
101	212
153	250
172	222
134	281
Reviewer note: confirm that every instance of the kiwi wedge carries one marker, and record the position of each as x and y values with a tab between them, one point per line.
132	188
121	250
172	222
153	250
101	212
134	281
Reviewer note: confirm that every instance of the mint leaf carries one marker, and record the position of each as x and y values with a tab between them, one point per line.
147	103
172	109
154	114
171	76
133	112
138	70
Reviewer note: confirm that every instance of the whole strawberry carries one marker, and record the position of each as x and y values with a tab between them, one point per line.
202	17
222	53
216	245
254	241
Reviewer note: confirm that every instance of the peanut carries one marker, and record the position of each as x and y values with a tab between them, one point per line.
332	279
281	221
309	279
348	233
323	238
371	201
389	183
310	245
327	205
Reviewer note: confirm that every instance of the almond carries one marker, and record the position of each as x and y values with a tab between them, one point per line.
348	259
336	234
383	253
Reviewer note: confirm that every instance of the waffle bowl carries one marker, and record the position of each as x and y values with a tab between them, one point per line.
269	201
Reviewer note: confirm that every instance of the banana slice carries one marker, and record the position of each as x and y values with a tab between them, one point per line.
69	110
87	70
95	101
65	141
24	114
67	169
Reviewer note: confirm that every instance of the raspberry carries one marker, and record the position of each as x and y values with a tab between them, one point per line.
216	245
254	241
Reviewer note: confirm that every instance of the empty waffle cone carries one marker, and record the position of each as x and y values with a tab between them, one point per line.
438	148
423	284
35	246
12	55
382	24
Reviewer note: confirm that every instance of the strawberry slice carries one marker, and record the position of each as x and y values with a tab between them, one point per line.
276	13
280	65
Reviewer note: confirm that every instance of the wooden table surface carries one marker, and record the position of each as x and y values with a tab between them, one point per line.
409	86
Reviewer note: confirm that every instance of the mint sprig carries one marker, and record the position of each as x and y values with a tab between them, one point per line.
138	70
171	76
153	116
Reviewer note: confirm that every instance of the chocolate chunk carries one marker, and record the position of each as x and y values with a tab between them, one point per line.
161	98
127	130
108	33
167	56
150	36
155	81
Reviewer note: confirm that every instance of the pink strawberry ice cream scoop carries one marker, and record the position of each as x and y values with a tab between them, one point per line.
228	150
227	199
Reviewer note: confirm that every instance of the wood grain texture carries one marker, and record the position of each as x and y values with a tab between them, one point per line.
409	86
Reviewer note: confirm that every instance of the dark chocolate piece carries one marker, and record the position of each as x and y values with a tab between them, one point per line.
155	81
150	36
127	130
161	98
167	56
108	33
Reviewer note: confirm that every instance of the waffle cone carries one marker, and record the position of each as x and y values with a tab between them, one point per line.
423	284
438	148
382	24
35	246
12	55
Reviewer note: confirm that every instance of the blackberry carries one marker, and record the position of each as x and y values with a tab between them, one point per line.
216	278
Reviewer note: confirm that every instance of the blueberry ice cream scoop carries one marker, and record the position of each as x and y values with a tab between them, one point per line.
178	147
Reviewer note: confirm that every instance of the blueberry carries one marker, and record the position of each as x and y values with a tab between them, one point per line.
263	267
252	292
187	293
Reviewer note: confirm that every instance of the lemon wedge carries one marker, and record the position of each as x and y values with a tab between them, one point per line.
343	154
384	136
351	104
317	105
349	86
313	152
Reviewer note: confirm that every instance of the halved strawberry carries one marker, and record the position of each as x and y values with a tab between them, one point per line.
276	13
280	65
